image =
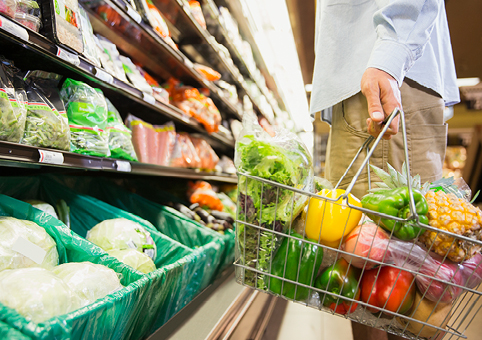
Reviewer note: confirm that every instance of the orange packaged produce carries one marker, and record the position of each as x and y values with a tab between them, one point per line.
184	154
197	13
207	72
208	156
202	193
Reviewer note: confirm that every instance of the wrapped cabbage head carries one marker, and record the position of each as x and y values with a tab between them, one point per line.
45	207
20	234
88	280
135	259
121	233
36	293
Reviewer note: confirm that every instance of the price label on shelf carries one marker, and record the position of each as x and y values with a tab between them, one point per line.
123	166
188	63
51	157
14	29
133	14
149	98
103	75
29	249
68	56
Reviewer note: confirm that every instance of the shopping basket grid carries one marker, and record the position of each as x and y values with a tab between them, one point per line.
255	271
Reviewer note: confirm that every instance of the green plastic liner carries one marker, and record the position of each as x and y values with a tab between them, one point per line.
86	212
95	321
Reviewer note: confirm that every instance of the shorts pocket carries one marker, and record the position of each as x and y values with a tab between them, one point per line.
427	150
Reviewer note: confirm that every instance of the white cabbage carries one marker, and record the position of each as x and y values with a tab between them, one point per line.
45	207
121	233
135	259
36	293
88	280
11	229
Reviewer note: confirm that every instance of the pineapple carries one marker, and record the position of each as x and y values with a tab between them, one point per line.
447	211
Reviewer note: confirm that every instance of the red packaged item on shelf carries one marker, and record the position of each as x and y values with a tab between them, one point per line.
208	157
8	7
166	136
184	154
197	13
143	135
207	72
203	194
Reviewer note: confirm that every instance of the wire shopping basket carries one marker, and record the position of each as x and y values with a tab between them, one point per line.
393	271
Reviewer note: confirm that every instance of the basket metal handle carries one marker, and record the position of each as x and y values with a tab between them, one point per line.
365	163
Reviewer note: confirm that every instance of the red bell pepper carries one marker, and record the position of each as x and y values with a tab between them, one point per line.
392	290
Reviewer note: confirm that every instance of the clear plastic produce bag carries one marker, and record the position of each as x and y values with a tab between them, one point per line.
137	260
120	137
283	159
87	113
18	237
36	293
47	124
13	109
88	281
121	233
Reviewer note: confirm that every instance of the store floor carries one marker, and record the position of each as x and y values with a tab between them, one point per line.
300	322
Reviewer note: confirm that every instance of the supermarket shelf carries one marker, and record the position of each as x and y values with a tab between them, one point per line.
235	9
143	44
32	44
18	155
237	58
194	34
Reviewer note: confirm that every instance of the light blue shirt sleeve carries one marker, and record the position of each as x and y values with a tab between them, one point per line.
403	30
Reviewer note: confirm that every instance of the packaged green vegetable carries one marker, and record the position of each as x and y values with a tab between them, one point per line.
284	159
47	125
87	114
120	136
13	111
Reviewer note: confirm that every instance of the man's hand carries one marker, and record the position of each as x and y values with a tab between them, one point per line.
383	96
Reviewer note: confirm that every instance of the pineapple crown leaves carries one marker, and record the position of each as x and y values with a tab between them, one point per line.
394	179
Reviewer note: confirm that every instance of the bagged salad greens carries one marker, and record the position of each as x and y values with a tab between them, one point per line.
13	109
90	48
120	137
87	113
283	159
46	125
135	76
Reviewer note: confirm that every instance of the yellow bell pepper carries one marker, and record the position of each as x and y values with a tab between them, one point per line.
329	221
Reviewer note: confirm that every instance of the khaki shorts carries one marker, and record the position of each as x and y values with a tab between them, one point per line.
426	138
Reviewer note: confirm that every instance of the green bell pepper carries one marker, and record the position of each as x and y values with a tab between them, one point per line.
341	279
395	202
288	266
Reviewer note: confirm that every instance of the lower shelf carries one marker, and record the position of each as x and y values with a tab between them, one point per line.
18	155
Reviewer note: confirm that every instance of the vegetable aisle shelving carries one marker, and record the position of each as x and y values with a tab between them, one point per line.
191	251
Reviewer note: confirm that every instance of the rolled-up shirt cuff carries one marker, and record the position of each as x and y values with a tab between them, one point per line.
392	57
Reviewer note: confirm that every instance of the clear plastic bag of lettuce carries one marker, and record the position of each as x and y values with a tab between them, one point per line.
46	125
13	101
87	113
120	136
284	159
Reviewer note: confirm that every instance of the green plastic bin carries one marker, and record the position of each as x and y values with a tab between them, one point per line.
112	317
161	300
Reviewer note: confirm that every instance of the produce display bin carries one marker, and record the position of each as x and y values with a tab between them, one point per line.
160	301
389	280
208	247
95	320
